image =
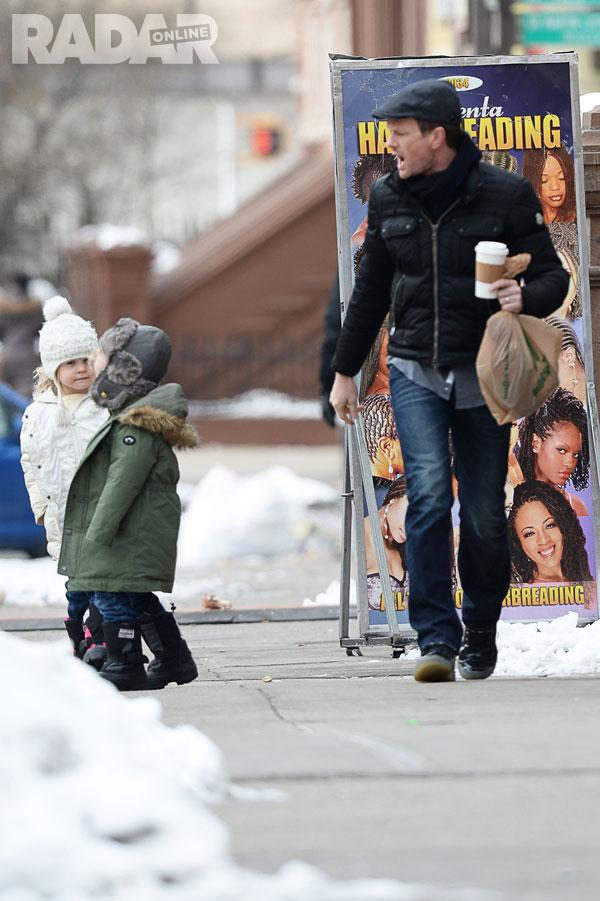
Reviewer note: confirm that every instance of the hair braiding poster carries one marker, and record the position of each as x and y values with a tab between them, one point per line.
522	114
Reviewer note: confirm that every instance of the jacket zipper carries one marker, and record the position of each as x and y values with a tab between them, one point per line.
436	285
395	297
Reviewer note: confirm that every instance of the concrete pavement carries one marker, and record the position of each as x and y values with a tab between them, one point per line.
491	785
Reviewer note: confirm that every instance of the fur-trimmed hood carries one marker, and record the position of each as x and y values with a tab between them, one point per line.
163	412
174	430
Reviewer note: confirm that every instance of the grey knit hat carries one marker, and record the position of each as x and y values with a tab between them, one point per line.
138	357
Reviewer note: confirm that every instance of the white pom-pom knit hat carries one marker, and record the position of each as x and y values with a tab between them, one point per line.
64	336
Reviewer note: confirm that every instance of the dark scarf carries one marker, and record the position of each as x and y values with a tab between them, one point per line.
435	193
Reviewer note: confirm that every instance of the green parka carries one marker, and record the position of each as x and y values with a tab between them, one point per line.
123	512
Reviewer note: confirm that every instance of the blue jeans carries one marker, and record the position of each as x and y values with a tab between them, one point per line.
127	606
77	603
424	422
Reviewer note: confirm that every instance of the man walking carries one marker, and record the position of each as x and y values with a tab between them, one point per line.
424	221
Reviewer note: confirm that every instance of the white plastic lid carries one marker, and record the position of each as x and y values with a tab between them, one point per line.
491	247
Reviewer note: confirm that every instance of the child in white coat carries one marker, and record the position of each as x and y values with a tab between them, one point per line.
56	429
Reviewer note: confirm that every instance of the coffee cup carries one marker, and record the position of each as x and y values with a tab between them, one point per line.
490	262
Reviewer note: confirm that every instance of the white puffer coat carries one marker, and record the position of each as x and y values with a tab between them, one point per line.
50	455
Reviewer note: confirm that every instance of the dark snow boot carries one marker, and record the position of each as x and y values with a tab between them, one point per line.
95	649
173	661
478	654
124	665
74	629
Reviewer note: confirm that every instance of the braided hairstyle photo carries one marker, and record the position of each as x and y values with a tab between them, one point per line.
561	408
378	420
365	173
569	339
367	170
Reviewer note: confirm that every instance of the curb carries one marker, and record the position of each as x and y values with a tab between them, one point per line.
200	618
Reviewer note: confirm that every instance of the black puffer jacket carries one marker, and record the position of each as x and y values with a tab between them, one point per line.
424	273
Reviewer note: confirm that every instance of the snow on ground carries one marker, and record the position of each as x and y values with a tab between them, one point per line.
227	517
555	648
31	583
94	788
331	596
265	514
100	800
260	403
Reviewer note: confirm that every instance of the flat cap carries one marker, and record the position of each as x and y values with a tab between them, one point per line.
432	100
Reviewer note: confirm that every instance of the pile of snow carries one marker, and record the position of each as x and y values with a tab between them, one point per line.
331	596
185	491
106	236
165	257
100	799
551	648
36	583
264	514
555	648
227	516
31	583
261	403
95	789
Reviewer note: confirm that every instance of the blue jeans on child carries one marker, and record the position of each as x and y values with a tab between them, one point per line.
127	606
78	603
424	421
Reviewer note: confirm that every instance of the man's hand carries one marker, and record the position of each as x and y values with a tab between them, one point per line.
509	295
344	399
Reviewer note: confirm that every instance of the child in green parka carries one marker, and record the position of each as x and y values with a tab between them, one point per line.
123	511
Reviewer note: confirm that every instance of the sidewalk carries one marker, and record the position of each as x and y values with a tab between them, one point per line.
490	785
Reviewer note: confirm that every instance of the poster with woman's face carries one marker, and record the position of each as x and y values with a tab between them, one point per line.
520	116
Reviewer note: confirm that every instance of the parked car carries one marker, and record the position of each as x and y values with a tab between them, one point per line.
18	530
